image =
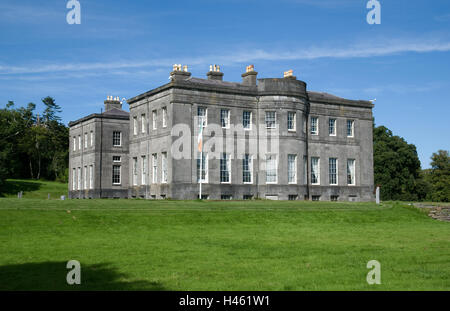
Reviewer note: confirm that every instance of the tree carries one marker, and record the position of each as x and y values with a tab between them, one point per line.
396	167
439	176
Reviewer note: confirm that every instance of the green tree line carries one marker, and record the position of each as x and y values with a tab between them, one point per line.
32	145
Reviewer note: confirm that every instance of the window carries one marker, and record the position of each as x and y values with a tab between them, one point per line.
74	179
314	126
154	115
247	169
225	118
315	171
350	128
304	124
85	180
292	168
270	119
144	170
351	171
226	197
332	171
271	169
117	139
135	170
164	167
79	178
135	126
74	143
117	158
291	121
247	120
116	175
79	142
316	197
305	170
85	140
225	167
155	168
248	197
92	138
143	123
334	198
332	127
164	116
91	177
202	116
204	164
292	197
204	197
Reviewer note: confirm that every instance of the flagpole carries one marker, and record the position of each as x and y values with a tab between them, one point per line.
201	158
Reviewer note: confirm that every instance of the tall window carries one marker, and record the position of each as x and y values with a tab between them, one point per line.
74	179
247	120
271	119
305	170
202	114
117	139
332	171
351	171
203	172
350	128
291	121
314	126
332	127
155	168
154	115
135	126
247	169
79	178
225	118
85	140
164	117
143	123
315	171
144	170
79	142
116	175
292	168
74	143
164	167
135	171
91	177
225	168
85	178
271	168
92	138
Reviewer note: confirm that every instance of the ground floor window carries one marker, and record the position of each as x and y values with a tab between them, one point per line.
334	198
116	175
292	197
248	197
316	197
226	197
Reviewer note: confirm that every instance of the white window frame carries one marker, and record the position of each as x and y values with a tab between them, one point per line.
293	120
120	175
154	119
249	159
164	168
276	168
143	123
205	116
85	140
164	117
74	143
316	172
120	139
305	169
225	120
74	179
85	176
314	130
143	170
91	176
351	173
134	171
154	168
274	120
330	173
79	142
205	163
250	120
92	138
227	160
330	127
352	128
290	156
135	126
79	179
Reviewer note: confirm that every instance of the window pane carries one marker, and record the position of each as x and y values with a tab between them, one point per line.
224	168
291	121
292	168
332	127
332	171
351	171
247	168
247	119
271	169
270	119
225	117
314	125
315	177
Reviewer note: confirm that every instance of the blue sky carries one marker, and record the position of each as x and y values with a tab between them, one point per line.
124	48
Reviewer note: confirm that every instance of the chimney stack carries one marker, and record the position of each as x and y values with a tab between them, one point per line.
290	74
249	77
214	73
179	72
112	103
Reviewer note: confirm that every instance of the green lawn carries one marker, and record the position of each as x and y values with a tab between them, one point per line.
238	245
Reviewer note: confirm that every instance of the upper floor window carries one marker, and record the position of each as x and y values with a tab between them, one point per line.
225	168
350	128
351	171
79	142
291	121
85	140
315	171
332	171
92	138
135	126
164	117
271	119
143	123
117	158
74	143
292	168
314	126
247	120
202	114
247	169
117	139
225	118
332	127
154	115
271	169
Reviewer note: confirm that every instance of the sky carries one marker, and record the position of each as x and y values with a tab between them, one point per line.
125	48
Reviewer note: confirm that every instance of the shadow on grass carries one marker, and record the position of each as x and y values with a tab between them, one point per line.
52	276
12	187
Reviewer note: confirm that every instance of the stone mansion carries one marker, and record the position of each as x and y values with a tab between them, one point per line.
260	138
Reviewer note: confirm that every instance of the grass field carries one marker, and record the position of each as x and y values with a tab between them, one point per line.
206	245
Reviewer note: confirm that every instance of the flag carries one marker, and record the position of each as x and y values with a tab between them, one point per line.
200	137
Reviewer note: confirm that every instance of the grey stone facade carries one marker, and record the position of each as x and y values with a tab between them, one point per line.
326	154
